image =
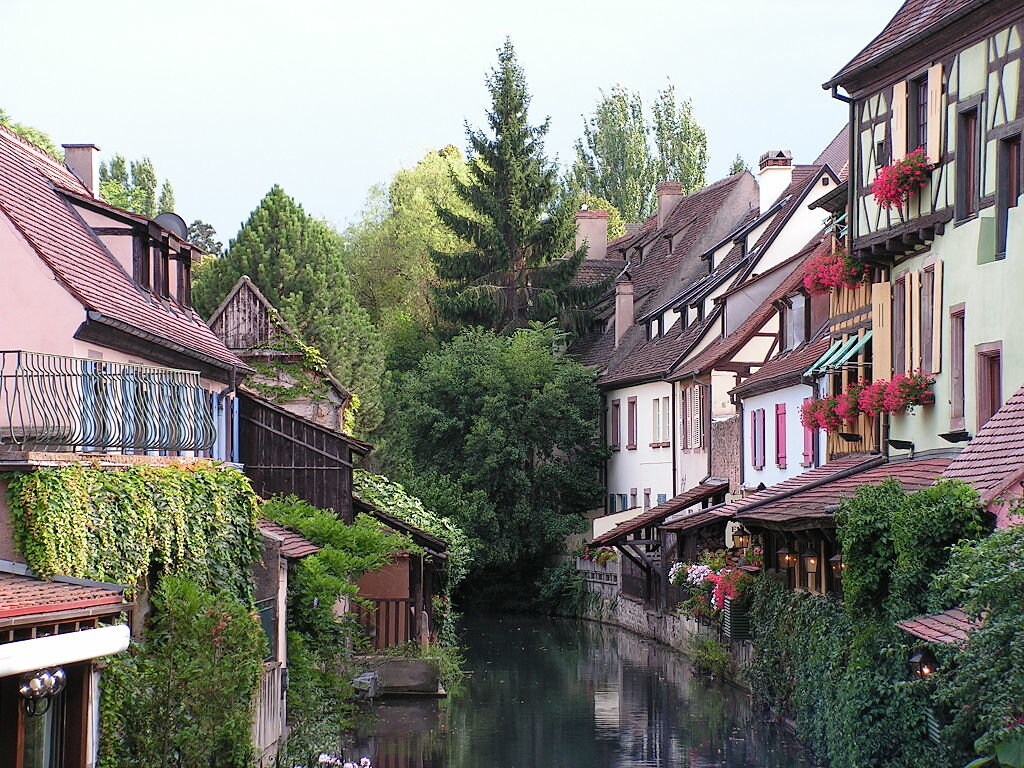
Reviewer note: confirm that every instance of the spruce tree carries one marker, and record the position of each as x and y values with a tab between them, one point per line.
296	261
522	258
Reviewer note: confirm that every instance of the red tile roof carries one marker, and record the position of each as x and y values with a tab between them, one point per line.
995	457
594	271
46	219
640	358
724	348
819	502
293	545
694	520
784	370
428	541
837	154
913	21
655	515
948	627
22	595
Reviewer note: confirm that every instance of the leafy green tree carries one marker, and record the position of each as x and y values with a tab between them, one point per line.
297	262
32	135
515	269
204	237
133	186
502	421
738	165
623	154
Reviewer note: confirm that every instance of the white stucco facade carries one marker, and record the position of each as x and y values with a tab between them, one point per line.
648	465
772	472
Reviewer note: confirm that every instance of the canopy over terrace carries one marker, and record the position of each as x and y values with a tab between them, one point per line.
639	540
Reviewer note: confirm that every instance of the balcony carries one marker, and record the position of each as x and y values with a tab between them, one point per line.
58	403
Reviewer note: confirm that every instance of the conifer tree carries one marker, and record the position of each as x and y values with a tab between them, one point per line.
296	261
522	258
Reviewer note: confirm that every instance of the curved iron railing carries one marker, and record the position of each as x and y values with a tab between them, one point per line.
64	402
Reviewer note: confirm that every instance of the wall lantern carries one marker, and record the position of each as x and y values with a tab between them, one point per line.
39	687
787	559
922	664
741	539
836	561
810	558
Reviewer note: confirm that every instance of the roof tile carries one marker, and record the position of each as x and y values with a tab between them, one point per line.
22	595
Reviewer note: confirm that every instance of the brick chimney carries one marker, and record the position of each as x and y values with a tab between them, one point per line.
592	229
623	306
775	172
669	195
83	160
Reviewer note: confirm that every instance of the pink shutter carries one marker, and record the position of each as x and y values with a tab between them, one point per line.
616	438
760	438
753	439
631	423
808	441
780	435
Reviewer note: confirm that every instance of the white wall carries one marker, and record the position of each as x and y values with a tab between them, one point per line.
771	474
643	467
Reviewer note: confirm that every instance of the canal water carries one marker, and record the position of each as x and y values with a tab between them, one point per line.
553	693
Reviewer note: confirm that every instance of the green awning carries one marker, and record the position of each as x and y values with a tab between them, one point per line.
838	354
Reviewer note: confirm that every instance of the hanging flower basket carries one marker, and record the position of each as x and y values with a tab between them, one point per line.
906	391
872	398
827	272
848	402
821	414
898	182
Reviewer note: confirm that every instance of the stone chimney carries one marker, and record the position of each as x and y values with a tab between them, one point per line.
669	195
623	306
592	229
83	160
775	172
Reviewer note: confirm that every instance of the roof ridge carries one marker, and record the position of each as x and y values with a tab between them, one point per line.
11	133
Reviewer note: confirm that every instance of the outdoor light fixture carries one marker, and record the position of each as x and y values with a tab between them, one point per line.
922	664
810	561
741	539
787	559
837	565
39	687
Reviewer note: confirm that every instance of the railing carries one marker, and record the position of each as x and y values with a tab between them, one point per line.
388	621
71	402
268	717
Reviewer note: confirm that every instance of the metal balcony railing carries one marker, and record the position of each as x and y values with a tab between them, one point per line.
62	403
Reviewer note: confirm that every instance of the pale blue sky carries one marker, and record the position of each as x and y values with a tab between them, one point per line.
328	98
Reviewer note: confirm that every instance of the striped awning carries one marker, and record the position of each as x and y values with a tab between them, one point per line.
838	354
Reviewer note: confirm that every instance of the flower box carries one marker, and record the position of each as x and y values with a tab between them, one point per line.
827	272
898	182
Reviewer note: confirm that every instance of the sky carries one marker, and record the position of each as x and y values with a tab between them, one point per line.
330	97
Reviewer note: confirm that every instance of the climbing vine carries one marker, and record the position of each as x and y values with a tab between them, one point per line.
122	526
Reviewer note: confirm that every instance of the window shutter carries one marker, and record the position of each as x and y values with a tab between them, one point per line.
899	120
616	427
808	441
696	414
631	423
908	322
684	417
780	435
881	324
937	319
760	438
936	107
666	420
656	420
914	363
753	439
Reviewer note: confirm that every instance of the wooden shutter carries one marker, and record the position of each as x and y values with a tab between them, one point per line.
899	120
914	358
753	439
908	314
808	441
760	437
666	420
616	427
881	325
937	319
936	108
684	417
656	420
696	416
780	435
631	423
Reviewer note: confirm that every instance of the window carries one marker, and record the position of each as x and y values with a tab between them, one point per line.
184	281
917	125
611	503
927	319
808	454
957	316
140	260
661	422
757	438
647	498
662	498
692	400
795	321
899	326
1008	188
630	424
632	497
780	435
967	164
623	501
616	428
881	156
990	380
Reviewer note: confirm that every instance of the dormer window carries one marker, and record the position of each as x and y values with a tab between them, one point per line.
794	323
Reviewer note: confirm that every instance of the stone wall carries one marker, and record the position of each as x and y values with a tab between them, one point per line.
726	458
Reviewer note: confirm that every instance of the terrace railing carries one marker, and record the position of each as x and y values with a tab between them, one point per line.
71	403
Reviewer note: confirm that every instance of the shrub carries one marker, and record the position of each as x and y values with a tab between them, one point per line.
709	655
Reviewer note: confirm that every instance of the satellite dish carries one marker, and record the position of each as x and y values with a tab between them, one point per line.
172	222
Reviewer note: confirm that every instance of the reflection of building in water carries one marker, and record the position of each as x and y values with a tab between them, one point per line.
606	712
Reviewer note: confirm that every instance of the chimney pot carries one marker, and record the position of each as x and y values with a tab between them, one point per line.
669	195
83	160
592	229
775	173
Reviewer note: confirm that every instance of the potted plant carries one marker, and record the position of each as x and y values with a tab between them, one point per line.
826	272
848	402
872	398
907	390
898	182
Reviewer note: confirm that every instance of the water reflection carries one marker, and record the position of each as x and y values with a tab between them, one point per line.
560	694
